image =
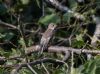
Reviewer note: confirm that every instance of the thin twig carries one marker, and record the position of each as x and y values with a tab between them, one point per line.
44	60
32	70
47	72
7	24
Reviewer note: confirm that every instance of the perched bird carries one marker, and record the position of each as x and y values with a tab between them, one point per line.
47	35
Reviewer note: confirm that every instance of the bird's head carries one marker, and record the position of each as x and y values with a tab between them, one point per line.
52	26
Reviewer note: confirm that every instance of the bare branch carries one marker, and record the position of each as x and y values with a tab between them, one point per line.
44	60
60	49
7	24
65	9
53	49
97	30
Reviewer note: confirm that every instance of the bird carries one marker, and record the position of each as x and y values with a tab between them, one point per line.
47	35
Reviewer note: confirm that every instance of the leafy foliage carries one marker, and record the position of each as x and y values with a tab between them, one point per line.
31	17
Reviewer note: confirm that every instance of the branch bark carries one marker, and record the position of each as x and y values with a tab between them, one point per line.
7	25
65	9
60	49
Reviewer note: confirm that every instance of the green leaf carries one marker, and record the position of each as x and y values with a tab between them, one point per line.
2	36
54	18
79	37
73	4
25	71
15	52
97	70
25	2
3	9
38	3
89	67
79	42
92	66
21	42
66	17
3	53
58	71
8	36
1	71
98	1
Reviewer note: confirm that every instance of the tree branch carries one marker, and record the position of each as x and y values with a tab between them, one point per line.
65	9
39	61
7	24
60	49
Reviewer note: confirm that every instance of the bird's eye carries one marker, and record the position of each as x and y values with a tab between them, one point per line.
53	25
